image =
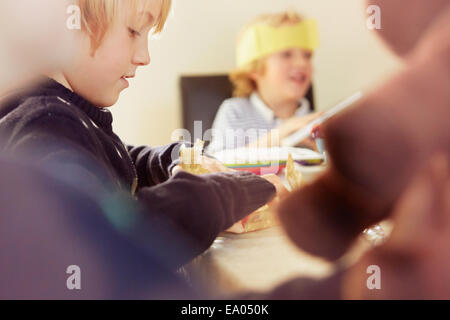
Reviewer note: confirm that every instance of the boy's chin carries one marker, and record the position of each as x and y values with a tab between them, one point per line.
107	102
297	93
296	96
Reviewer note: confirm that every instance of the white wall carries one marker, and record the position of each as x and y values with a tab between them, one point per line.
200	38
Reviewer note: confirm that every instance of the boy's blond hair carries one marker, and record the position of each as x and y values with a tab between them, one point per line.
98	15
243	85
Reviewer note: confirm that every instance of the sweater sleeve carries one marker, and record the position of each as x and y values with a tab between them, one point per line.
154	164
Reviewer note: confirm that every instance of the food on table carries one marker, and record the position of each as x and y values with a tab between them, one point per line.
262	218
191	158
293	176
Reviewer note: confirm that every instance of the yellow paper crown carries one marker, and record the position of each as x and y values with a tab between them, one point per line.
262	40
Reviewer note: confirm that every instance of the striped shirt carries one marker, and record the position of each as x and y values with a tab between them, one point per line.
241	121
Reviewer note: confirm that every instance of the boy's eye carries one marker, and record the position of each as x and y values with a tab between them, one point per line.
133	33
307	55
286	54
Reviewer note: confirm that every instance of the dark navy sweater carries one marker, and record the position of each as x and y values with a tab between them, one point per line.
52	126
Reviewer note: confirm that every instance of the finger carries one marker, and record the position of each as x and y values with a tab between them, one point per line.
176	169
279	186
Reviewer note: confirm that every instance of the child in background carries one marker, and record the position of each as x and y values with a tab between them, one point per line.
63	123
273	75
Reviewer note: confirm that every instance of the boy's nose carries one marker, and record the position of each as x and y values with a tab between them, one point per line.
300	61
142	59
142	56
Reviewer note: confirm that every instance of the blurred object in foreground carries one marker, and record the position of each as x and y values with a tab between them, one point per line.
375	234
34	38
48	225
414	262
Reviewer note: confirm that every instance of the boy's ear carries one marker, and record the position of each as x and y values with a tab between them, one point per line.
254	75
257	74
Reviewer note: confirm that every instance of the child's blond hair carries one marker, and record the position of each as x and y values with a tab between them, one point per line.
243	85
98	15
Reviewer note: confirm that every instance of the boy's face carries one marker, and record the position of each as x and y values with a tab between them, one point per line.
287	75
101	78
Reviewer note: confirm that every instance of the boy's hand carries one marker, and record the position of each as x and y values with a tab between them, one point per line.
282	192
294	124
307	143
286	129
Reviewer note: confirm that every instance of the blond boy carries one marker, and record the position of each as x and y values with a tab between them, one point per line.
64	124
273	75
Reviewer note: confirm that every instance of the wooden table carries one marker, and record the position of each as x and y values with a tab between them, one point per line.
260	260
